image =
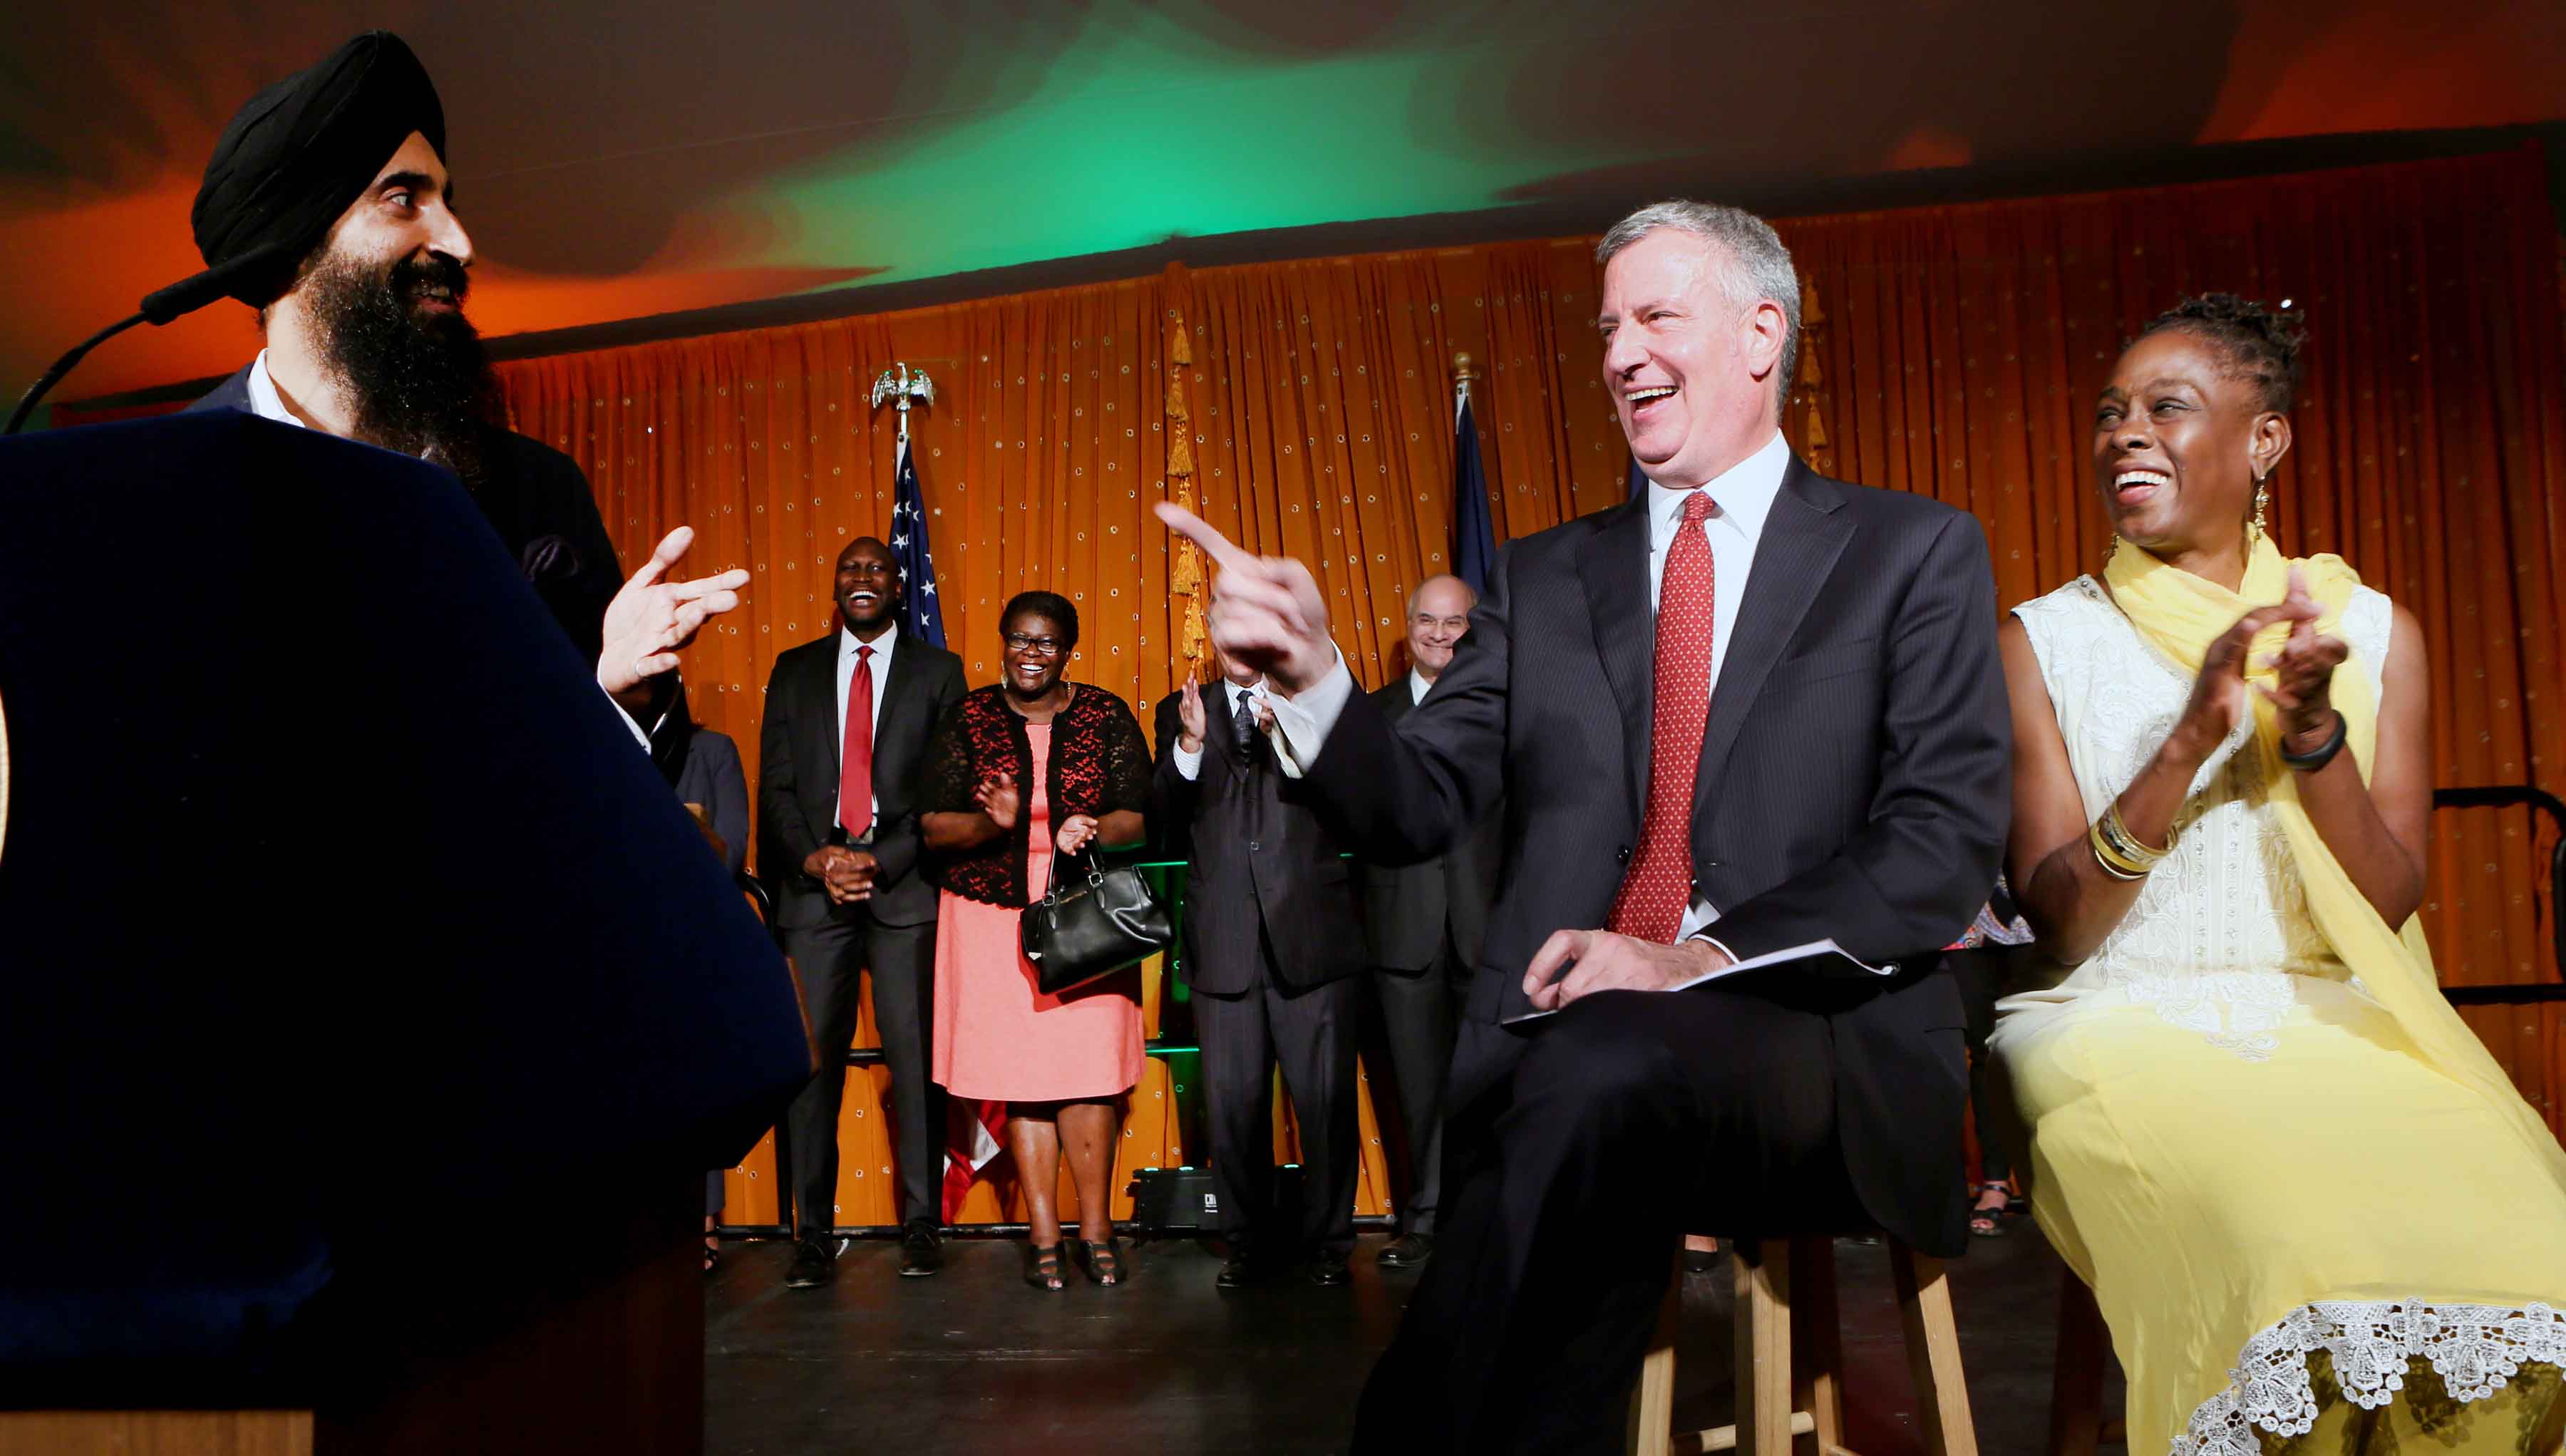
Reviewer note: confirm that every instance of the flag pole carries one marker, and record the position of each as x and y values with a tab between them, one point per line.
1462	374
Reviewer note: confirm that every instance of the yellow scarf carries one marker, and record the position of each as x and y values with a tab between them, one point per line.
2180	614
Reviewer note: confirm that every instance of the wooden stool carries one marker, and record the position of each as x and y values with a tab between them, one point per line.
1790	1371
2076	1423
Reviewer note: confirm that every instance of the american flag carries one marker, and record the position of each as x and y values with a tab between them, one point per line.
920	614
972	1128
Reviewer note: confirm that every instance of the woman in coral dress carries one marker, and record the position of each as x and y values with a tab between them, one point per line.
2315	1212
1031	767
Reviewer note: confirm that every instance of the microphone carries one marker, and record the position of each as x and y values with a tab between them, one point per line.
159	306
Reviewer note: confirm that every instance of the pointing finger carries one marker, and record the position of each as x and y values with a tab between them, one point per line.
730	581
1198	531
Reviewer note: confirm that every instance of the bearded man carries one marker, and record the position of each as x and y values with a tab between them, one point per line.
366	338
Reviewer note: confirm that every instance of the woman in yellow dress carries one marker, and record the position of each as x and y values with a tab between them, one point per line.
2316	1214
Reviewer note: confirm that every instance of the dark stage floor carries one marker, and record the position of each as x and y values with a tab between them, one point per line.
973	1361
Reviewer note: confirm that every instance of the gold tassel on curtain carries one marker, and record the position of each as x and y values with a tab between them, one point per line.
1186	576
1811	375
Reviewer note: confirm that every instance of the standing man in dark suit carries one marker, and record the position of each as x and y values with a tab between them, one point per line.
1271	945
341	169
1424	926
848	722
1751	710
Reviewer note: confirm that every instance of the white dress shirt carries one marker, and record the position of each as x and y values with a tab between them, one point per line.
267	404
1190	764
1417	685
264	401
1741	498
847	644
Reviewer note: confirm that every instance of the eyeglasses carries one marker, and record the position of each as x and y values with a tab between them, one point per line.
1039	646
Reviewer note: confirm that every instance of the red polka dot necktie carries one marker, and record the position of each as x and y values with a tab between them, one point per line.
1660	883
856	758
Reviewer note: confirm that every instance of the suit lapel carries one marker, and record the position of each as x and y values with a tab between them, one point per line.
1805	533
1395	706
895	686
821	683
231	393
1614	565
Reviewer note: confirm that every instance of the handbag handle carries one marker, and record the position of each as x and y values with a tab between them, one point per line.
1094	871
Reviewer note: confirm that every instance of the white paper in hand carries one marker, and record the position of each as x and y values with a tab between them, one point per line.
1814	950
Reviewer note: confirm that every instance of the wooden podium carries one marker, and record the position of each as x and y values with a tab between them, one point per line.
343	917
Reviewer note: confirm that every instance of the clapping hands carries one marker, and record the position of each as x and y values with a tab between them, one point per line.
1189	717
2303	667
1076	832
1000	798
2303	670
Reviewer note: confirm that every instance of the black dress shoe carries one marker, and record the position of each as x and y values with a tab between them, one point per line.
920	1253
1328	1271
1408	1251
814	1263
1240	1273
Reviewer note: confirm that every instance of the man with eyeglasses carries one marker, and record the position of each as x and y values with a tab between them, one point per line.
1271	947
1424	926
847	721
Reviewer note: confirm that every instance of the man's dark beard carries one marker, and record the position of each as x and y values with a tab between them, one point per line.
421	383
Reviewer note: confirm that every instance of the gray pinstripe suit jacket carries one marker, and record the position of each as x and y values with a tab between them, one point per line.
1854	781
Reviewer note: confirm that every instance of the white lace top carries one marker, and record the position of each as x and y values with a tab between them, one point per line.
2223	923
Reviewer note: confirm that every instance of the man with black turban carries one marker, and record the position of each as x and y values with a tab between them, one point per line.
342	169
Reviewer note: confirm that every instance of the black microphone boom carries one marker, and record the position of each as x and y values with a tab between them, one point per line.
159	306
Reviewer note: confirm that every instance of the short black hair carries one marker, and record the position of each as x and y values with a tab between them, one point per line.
2261	343
1048	605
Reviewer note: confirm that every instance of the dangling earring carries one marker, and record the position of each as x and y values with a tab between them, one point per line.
2262	504
2111	549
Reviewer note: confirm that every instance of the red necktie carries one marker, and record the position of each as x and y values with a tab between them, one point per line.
1660	883
856	761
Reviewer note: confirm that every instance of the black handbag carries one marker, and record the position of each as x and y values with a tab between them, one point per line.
1093	925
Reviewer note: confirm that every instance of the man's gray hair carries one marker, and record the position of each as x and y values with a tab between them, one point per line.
1753	268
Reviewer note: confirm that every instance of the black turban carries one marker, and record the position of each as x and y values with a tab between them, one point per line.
295	157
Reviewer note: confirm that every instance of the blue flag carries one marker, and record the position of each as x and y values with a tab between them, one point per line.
920	614
1474	536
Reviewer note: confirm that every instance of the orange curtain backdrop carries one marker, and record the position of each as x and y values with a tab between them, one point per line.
1957	353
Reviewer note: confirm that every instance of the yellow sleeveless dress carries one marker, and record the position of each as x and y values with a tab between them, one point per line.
2313	1219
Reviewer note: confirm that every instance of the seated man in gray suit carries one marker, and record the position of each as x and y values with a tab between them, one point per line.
1423	925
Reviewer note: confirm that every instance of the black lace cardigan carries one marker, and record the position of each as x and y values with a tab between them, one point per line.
1098	763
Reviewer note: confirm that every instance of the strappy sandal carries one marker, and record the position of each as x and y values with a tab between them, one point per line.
1990	1223
1102	1260
1042	1268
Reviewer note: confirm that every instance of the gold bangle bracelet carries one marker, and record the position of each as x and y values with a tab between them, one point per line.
2119	828
2110	858
2124	852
